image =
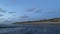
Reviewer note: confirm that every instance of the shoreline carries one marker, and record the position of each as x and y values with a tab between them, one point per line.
37	23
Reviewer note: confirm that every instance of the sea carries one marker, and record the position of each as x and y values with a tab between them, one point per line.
29	29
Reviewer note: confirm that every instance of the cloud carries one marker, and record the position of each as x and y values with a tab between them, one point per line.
23	17
9	18
2	11
1	15
12	12
51	12
38	11
2	18
14	15
30	10
35	10
0	8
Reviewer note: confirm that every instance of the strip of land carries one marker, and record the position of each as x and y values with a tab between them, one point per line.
44	21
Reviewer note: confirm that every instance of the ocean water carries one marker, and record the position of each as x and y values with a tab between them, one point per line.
30	29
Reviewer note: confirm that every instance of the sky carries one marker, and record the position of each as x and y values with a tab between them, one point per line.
26	10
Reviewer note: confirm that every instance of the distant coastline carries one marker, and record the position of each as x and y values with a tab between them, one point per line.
44	21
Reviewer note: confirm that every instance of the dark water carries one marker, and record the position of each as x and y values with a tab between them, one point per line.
31	29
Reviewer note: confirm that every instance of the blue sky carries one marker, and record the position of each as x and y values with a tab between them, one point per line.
20	10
